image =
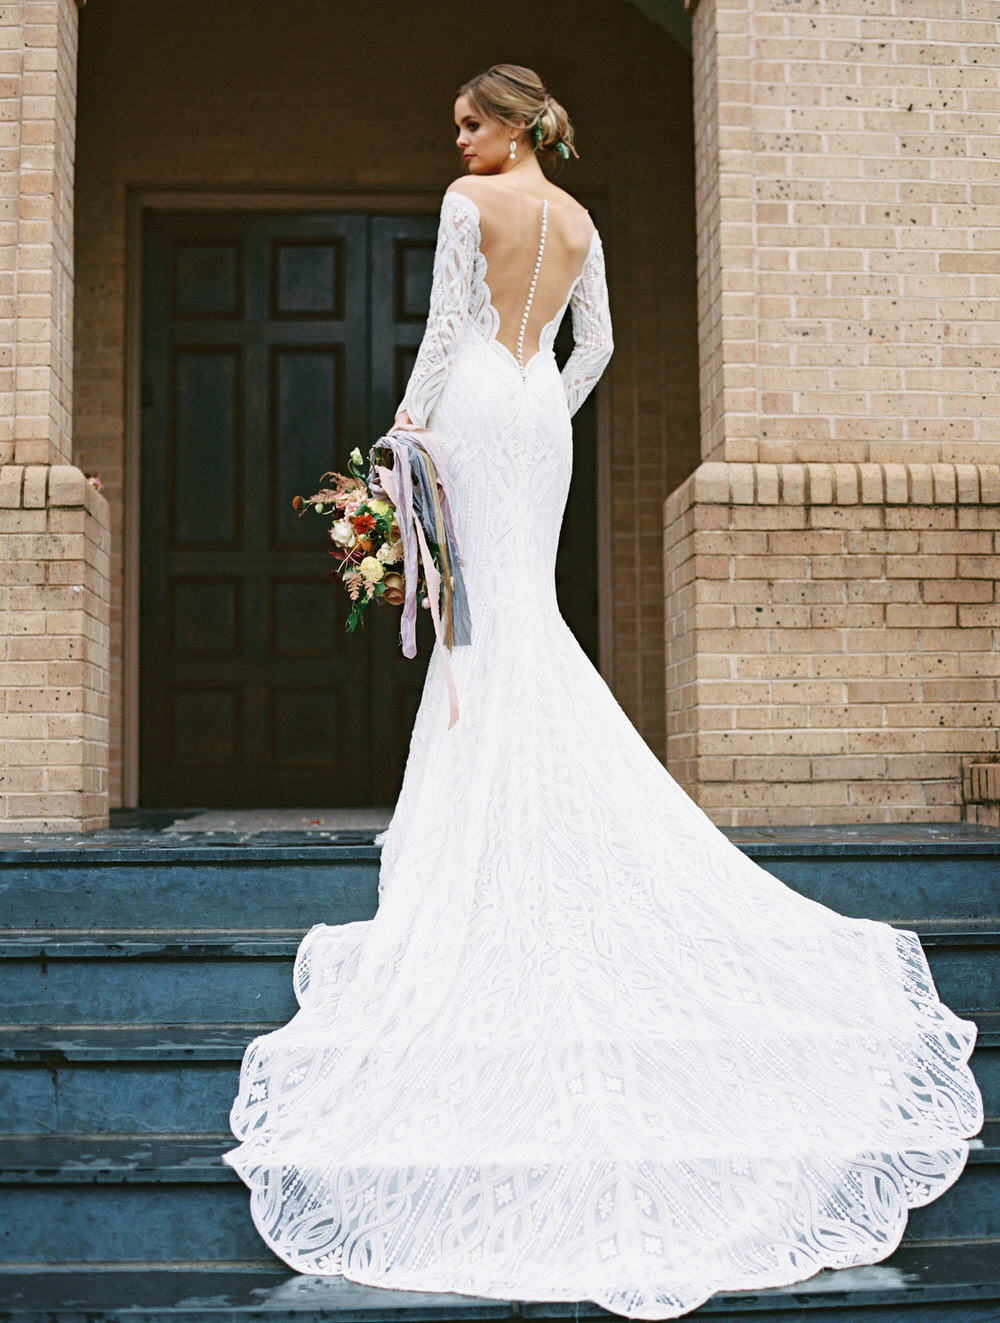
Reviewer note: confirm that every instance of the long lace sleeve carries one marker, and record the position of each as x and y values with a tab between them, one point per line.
454	259
592	341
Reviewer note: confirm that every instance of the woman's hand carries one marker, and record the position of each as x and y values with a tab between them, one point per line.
404	418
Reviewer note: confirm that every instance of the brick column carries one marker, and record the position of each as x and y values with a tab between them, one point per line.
54	609
54	530
832	639
833	656
37	131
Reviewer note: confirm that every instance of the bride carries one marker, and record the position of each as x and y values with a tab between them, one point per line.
586	1049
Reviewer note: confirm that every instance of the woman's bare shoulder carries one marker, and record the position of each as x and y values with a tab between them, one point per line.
479	187
567	200
468	185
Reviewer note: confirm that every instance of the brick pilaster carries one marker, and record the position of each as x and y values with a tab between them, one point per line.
833	639
54	637
847	200
38	48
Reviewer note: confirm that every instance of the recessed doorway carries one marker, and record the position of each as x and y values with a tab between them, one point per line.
273	342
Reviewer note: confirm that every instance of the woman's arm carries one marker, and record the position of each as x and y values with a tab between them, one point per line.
592	339
454	258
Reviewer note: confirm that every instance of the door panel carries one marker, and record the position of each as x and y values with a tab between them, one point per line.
273	343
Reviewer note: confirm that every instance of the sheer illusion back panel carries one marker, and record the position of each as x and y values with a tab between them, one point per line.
510	225
462	307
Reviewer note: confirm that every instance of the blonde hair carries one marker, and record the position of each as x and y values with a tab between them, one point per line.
511	93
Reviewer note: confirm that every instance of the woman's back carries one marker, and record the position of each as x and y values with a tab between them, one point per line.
511	224
487	273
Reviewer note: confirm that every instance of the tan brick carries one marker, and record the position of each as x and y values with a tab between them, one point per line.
44	807
22	779
958	590
816	792
18	726
847	768
35	483
712	483
884	740
771	769
17	520
988	614
11	484
904	615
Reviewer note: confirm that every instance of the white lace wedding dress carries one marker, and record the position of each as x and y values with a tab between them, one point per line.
586	1049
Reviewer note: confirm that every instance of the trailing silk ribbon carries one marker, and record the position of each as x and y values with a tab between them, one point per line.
417	486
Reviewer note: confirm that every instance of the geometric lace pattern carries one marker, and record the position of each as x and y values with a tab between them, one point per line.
586	1049
461	305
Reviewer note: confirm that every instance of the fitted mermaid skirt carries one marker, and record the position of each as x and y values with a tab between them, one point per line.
586	1049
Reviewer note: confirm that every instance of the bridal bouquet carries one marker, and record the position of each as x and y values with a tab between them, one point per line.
366	540
398	514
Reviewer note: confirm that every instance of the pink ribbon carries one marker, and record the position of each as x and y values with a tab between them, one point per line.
405	515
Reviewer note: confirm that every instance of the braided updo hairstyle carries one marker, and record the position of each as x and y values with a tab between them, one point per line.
511	93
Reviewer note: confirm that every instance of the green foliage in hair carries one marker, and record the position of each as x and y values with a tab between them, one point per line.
561	147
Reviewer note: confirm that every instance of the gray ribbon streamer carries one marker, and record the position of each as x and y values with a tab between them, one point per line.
408	446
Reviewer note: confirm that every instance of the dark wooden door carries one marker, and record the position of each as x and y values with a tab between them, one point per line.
273	344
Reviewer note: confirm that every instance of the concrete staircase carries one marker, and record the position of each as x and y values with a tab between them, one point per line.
135	967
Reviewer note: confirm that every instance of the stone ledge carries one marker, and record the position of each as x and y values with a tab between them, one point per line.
722	483
36	486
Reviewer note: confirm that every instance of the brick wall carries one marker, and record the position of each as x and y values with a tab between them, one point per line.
54	641
54	526
37	116
831	614
833	640
309	95
848	251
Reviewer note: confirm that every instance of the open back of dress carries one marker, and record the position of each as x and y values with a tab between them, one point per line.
507	265
534	252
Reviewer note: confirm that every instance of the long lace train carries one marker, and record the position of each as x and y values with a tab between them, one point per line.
605	1056
586	1049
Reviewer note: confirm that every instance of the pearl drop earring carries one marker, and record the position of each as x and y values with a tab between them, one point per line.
513	149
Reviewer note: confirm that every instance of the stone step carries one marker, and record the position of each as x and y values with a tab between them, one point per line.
95	977
124	977
916	1284
182	886
132	1077
142	1159
904	874
148	879
169	1078
154	1198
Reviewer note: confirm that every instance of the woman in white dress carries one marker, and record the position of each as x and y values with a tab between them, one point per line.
586	1049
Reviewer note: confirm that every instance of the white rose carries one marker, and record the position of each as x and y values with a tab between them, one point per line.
342	533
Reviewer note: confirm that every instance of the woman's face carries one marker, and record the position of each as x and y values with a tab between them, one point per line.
484	143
